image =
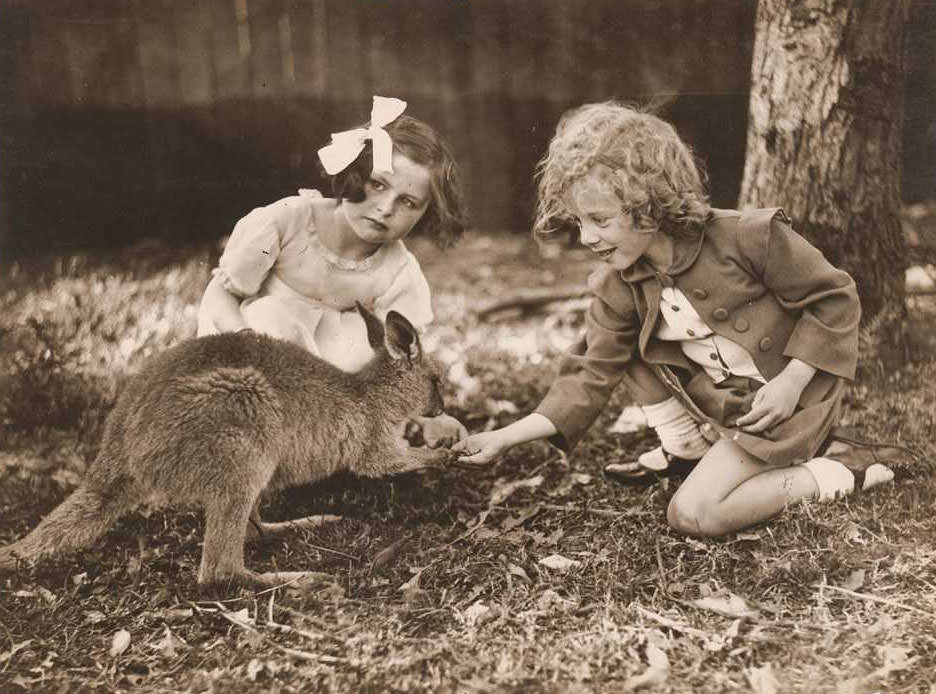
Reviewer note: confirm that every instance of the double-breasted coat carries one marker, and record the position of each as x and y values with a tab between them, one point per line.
751	279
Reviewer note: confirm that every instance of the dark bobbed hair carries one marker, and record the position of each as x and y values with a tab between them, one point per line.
445	218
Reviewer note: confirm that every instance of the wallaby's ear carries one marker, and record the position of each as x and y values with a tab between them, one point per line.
402	340
375	329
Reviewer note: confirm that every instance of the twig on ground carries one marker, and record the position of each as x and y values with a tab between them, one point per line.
604	512
672	624
874	598
329	550
291	652
531	299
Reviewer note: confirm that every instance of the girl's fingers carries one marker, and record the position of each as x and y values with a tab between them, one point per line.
477	458
761	424
460	445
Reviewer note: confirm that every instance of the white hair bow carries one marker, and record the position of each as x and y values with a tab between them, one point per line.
347	145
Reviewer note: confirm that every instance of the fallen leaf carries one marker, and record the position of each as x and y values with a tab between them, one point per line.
254	668
476	614
411	590
896	658
94	616
388	554
517	571
242	617
852	533
170	644
559	563
551	600
555	536
504	490
120	642
78	579
658	667
178	613
46	594
730	605
855	580
762	679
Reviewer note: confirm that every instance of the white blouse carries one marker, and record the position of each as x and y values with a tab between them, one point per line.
719	356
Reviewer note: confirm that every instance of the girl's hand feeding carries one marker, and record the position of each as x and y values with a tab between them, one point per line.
484	448
777	399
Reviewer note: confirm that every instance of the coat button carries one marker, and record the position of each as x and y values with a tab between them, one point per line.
741	325
700	294
713	356
690	332
674	308
720	314
765	344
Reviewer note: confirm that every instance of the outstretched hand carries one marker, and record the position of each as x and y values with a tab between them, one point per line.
482	449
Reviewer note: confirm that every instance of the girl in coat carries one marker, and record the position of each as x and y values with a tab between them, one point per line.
734	334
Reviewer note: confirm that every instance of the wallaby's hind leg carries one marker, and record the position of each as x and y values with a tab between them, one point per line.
222	562
222	559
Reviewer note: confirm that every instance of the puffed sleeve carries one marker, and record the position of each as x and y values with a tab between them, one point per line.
408	294
250	252
595	365
824	297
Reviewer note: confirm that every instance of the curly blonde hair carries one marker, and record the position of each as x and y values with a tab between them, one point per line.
653	172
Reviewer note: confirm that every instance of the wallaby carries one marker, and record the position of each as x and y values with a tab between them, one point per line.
216	420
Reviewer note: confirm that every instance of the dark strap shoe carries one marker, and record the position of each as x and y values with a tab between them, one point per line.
650	468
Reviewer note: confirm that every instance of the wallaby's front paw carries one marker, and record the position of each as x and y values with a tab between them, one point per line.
435	432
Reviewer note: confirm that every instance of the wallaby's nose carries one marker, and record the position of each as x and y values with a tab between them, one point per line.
433	409
435	406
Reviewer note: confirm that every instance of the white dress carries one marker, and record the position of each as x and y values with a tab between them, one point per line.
295	289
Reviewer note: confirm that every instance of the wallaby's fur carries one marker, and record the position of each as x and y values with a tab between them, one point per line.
215	421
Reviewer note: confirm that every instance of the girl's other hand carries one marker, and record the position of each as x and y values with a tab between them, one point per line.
482	449
776	400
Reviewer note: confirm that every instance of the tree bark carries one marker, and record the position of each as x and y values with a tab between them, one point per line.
824	137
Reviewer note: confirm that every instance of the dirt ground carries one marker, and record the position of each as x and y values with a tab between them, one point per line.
536	575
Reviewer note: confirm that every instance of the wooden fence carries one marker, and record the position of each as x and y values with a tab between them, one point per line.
176	116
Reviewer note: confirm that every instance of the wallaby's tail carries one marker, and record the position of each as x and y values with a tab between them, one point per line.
75	523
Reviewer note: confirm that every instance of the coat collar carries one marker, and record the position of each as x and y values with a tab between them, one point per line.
685	252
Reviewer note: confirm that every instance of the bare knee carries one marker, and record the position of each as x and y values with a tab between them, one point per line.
695	516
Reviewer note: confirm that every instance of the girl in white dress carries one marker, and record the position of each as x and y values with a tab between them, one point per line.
295	268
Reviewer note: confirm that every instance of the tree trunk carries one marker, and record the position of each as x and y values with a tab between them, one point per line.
824	139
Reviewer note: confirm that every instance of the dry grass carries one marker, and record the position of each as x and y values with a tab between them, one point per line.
438	581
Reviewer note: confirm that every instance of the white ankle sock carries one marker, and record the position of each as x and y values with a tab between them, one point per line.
679	433
835	480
